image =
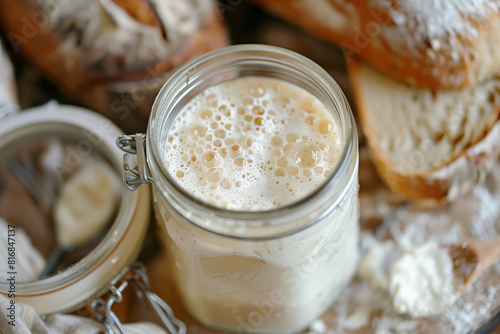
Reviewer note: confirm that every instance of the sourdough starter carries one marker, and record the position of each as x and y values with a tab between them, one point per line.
255	144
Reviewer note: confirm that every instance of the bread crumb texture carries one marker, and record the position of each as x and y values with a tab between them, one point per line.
418	130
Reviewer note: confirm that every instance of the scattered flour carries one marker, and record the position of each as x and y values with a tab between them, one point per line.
419	279
363	306
422	280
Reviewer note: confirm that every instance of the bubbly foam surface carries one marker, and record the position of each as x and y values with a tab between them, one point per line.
252	143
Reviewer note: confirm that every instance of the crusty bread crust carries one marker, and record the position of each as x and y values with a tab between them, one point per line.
437	185
366	30
124	92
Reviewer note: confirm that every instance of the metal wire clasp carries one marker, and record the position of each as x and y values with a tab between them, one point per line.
134	147
134	275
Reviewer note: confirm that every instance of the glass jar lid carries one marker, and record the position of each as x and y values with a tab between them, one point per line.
77	143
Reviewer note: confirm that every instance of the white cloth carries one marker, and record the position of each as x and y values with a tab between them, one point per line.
29	262
27	321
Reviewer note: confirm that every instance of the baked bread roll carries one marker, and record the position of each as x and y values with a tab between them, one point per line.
436	44
112	55
428	145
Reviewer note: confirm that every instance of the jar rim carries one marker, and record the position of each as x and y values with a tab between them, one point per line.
188	74
55	119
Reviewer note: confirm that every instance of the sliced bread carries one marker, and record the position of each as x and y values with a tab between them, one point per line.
428	144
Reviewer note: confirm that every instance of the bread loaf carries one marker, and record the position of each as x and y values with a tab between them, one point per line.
436	44
112	55
428	145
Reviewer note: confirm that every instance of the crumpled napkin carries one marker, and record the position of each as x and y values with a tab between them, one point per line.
27	321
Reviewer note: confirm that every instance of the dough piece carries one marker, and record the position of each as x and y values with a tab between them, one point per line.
86	203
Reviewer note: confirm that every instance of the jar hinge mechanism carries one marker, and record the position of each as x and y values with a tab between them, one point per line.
134	146
134	275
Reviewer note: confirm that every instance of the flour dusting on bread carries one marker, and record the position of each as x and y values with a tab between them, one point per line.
103	29
428	43
436	22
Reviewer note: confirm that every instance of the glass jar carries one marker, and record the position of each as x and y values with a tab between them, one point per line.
270	271
76	285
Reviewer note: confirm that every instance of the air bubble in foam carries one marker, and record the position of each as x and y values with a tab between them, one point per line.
306	154
325	126
292	137
277	141
282	162
311	120
211	159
